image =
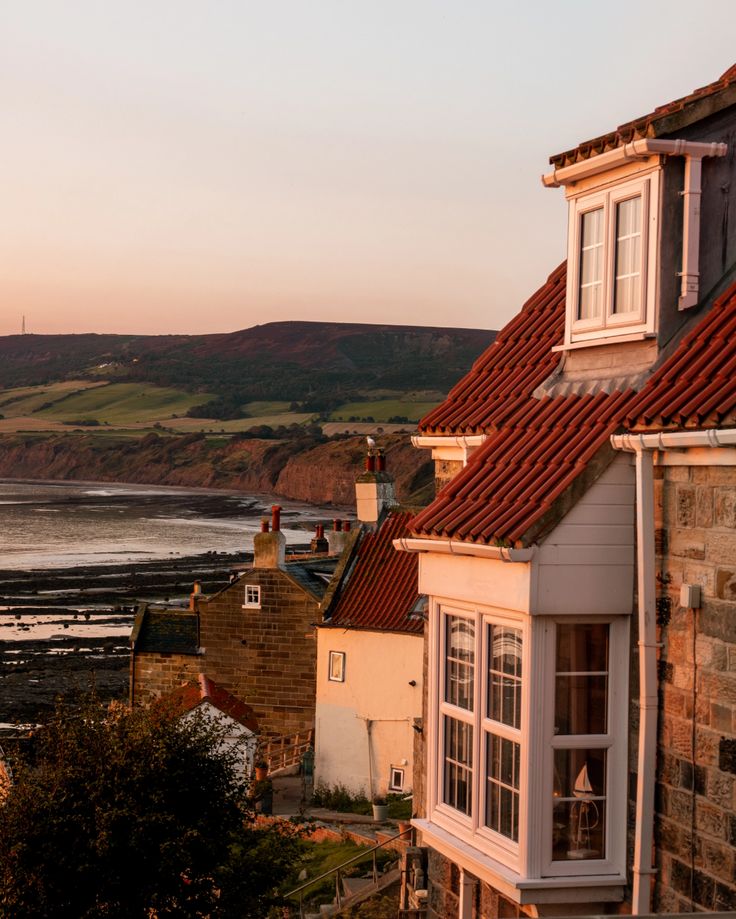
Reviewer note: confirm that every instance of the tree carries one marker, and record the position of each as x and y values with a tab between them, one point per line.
135	813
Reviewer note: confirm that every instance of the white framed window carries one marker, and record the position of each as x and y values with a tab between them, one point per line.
396	782
529	724
336	667
612	252
252	599
479	728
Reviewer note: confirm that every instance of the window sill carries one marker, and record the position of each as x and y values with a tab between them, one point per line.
610	340
608	888
251	606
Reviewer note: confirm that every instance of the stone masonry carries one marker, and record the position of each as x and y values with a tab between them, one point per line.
696	782
157	674
266	657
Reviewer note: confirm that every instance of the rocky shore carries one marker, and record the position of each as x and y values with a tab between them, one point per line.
68	629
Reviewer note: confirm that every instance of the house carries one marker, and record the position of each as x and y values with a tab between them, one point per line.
579	727
255	638
370	666
203	698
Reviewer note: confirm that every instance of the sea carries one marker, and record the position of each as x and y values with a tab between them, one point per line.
48	525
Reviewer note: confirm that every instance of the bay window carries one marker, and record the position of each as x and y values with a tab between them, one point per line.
530	742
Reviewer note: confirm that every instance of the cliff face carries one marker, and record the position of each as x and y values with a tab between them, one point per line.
297	469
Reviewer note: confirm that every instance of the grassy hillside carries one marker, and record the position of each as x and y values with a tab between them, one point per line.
305	367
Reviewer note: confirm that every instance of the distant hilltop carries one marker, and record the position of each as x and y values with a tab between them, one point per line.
315	365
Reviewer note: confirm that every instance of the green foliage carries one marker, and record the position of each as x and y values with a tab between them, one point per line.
338	798
135	813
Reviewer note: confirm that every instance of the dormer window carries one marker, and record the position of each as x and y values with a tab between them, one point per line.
612	249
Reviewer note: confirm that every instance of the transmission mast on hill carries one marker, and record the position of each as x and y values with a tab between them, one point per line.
23	326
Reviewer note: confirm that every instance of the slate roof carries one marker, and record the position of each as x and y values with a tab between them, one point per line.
540	450
664	120
165	631
189	695
312	574
381	587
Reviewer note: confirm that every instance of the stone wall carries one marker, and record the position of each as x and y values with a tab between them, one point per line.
155	674
444	471
266	657
696	783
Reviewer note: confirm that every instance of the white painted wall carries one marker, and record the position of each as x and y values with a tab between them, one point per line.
236	735
378	669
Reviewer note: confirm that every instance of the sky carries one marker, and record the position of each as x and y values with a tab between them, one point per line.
193	166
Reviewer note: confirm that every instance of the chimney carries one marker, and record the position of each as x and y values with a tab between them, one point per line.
196	591
319	543
374	488
337	536
269	549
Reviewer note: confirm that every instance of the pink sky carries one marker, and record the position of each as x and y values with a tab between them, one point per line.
195	167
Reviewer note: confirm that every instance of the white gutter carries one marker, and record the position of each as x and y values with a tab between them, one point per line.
694	153
674	440
642	446
457	547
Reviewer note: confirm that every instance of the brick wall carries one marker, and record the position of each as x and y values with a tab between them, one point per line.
155	674
266	657
696	783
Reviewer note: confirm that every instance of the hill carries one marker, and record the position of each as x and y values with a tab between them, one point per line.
317	365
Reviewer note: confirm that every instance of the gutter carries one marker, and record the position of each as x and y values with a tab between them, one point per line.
455	440
694	153
643	445
457	547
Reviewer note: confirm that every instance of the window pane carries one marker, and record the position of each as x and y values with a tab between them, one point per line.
627	287
460	662
502	786
458	778
504	675
590	292
581	684
579	812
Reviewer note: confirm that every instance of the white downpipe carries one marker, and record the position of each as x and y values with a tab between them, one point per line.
690	275
648	708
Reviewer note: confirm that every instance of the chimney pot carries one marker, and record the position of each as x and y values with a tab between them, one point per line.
370	463
337	525
264	524
276	517
381	462
346	526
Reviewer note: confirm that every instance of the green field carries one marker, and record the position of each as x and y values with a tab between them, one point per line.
382	410
15	403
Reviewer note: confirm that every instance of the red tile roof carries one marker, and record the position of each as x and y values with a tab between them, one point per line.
502	378
664	120
189	695
381	589
538	448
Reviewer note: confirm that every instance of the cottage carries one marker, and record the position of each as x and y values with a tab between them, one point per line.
580	713
369	667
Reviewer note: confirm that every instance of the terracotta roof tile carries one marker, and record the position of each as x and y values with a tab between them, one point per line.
503	376
189	695
696	105
382	587
537	447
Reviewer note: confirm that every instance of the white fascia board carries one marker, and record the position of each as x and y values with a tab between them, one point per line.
626	153
674	440
457	547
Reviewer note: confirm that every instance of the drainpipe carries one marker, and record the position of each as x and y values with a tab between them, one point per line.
642	868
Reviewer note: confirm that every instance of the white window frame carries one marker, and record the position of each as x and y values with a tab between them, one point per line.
641	322
471	828
336	667
252	596
531	856
394	785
